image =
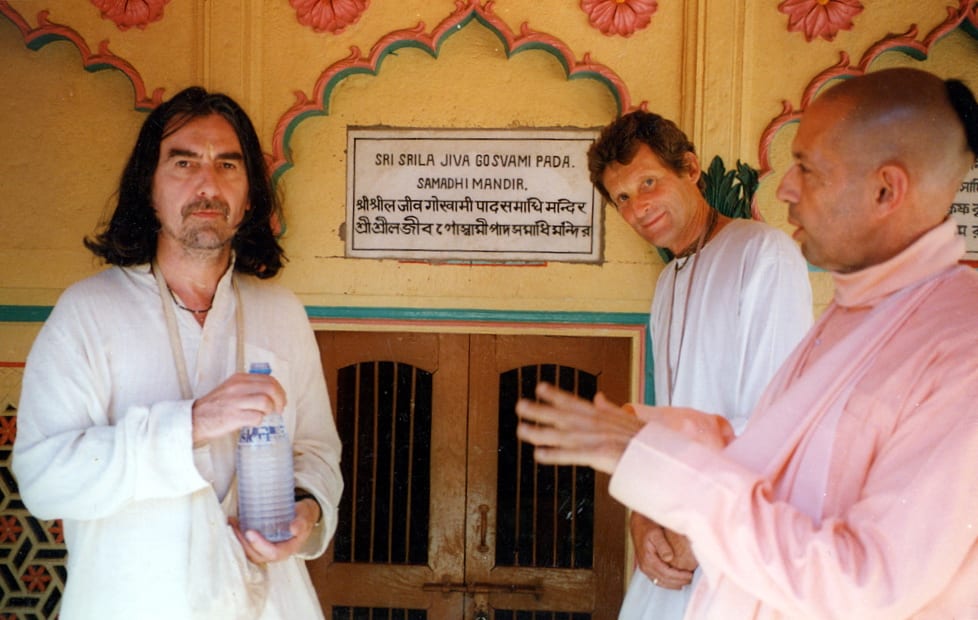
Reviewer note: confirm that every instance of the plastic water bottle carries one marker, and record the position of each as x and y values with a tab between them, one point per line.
266	482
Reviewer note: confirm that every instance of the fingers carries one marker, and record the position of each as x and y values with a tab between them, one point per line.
568	430
603	405
307	513
557	421
655	536
261	393
242	400
666	576
683	556
262	551
639	526
652	551
555	407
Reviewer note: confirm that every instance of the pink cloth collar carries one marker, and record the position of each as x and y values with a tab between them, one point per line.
939	248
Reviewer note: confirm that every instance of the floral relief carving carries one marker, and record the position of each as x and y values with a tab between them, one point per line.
622	17
820	18
465	11
129	13
328	15
965	16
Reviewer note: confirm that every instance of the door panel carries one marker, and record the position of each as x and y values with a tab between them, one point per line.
371	580
430	456
543	526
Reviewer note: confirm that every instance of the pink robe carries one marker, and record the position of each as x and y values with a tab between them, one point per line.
853	492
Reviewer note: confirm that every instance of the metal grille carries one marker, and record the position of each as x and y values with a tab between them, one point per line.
384	422
368	613
545	512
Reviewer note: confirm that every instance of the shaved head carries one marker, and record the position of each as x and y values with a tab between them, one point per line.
879	159
907	117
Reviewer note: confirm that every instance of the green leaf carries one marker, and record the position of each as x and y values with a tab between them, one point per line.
730	192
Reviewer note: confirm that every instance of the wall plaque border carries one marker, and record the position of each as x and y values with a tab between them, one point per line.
512	195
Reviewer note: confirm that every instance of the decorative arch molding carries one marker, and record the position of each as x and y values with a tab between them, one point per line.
465	12
48	31
965	16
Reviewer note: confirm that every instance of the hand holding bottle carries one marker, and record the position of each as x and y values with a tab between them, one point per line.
260	550
242	400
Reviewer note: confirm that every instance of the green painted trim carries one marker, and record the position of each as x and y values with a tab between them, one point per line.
649	396
39	314
24	314
463	315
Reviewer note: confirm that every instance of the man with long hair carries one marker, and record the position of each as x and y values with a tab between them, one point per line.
135	390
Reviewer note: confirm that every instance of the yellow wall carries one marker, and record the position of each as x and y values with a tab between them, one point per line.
721	69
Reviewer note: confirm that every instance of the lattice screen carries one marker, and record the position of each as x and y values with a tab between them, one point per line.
32	552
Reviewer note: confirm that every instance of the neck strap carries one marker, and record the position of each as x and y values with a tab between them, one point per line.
173	330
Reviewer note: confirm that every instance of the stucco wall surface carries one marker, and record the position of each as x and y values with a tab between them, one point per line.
76	87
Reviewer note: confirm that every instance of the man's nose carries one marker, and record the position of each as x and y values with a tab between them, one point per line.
788	187
207	181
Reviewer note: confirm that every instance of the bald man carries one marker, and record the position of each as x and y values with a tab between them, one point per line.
853	491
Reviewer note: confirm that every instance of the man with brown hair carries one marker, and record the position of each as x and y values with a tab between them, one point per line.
727	309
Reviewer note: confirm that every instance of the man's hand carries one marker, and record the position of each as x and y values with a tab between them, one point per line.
261	551
663	555
242	400
568	430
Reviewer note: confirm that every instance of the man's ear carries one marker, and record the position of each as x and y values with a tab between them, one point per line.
691	166
892	184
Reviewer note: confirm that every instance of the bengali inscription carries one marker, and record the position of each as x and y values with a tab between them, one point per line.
486	195
964	211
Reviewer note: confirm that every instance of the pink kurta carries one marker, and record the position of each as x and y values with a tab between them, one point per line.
853	492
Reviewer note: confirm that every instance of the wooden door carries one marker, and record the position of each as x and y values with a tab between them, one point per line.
445	515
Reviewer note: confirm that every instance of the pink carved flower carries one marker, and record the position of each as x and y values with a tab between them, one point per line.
820	18
328	15
622	17
129	13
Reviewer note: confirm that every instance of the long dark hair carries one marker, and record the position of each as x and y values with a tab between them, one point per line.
130	236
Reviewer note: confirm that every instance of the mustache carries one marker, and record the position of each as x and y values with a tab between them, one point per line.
206	204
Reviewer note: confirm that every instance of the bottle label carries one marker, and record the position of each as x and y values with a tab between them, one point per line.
260	368
261	434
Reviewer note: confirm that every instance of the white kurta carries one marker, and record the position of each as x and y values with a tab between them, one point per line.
105	440
724	325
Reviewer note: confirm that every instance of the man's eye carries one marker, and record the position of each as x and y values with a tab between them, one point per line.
229	165
648	182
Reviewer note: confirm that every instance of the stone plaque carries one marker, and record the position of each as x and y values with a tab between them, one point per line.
520	195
